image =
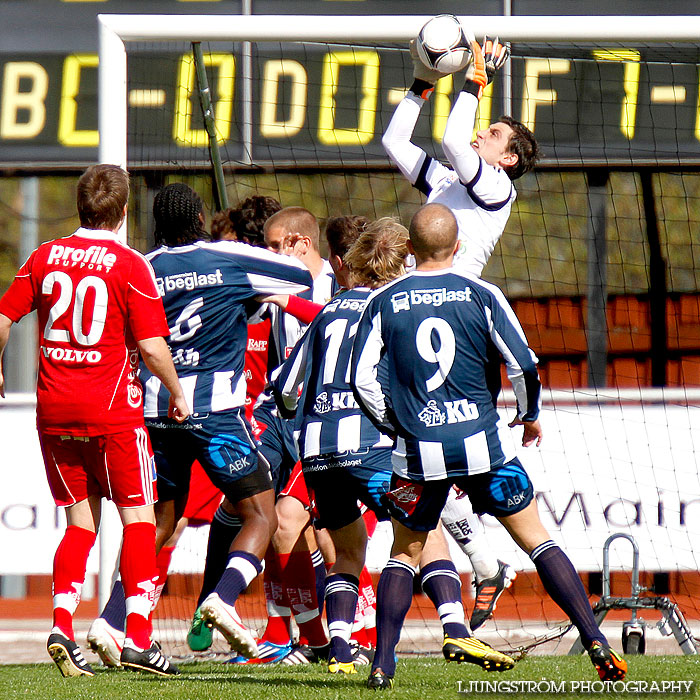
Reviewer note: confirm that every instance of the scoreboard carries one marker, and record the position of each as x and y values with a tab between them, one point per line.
323	104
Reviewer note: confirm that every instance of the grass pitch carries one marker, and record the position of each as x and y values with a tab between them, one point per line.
416	678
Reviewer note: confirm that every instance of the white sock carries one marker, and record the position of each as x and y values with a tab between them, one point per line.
466	530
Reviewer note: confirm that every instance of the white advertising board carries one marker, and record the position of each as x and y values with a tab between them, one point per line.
601	469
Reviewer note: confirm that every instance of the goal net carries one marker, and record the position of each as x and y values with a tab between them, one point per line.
599	257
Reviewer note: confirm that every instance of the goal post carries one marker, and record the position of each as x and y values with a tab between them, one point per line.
116	30
615	102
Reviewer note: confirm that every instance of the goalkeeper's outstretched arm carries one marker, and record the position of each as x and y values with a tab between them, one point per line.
409	158
485	183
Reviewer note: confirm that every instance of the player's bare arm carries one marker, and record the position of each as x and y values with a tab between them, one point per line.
5	325
532	431
156	355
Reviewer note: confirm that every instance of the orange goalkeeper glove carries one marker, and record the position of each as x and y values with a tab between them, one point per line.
485	62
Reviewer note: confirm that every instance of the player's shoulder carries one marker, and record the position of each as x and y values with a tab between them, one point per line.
348	302
91	251
253	259
165	252
481	287
236	251
379	295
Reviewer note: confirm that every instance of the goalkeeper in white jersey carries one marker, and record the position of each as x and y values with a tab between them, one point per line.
479	190
478	187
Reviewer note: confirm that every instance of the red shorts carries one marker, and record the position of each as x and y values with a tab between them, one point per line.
370	520
118	466
296	487
203	499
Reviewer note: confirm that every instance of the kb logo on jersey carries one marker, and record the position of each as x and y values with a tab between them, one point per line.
431	415
322	404
459	411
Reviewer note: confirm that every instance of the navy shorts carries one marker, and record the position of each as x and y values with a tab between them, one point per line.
224	445
417	505
277	443
337	481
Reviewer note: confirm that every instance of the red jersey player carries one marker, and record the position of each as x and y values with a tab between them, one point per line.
97	307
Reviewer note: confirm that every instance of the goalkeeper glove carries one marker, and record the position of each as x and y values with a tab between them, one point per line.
495	56
485	62
424	78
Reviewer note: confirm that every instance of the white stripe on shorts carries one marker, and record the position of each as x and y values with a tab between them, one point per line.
145	463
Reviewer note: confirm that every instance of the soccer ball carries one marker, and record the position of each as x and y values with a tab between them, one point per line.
443	45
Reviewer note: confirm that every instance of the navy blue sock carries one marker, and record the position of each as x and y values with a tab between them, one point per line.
442	585
224	528
241	569
320	571
341	602
565	588
394	597
115	610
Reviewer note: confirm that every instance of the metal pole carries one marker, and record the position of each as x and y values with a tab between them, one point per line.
507	72
21	357
219	189
112	104
247	92
658	291
597	296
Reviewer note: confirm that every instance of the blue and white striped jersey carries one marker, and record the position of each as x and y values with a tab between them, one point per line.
431	332
286	329
208	291
328	419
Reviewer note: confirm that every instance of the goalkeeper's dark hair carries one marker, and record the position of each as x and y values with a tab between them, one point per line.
248	219
176	211
524	145
343	231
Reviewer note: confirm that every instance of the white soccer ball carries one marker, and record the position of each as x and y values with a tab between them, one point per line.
444	45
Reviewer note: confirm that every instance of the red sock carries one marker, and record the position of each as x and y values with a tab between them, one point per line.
370	522
138	570
278	610
369	607
300	582
69	564
162	565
